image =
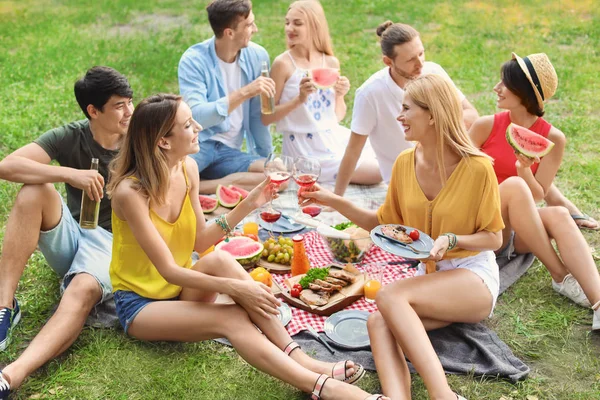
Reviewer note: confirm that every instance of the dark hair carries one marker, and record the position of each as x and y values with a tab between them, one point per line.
516	81
97	87
392	34
223	14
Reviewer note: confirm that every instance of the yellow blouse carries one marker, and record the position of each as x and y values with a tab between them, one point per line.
130	267
468	203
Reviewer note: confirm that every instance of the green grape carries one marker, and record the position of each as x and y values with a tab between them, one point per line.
271	258
286	257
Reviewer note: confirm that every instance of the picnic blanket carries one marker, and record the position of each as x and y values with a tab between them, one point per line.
462	348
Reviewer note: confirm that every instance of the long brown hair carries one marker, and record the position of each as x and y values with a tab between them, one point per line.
317	23
437	95
140	156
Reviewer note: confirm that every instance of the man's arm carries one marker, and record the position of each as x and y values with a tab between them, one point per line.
348	165
469	113
192	86
30	165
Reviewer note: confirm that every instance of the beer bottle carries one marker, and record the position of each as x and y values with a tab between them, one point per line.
267	103
90	209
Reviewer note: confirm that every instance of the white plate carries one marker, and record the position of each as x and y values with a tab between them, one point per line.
285	313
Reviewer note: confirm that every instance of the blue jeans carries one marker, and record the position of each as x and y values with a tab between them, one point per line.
216	160
129	304
71	250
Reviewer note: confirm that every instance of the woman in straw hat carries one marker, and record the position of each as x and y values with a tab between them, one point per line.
526	83
446	188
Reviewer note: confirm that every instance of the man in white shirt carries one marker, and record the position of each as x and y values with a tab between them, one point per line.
378	102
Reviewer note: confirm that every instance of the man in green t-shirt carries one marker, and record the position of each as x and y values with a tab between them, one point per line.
40	218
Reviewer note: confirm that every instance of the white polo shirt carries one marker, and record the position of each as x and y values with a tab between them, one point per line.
377	104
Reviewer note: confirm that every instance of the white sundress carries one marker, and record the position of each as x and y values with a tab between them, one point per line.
312	129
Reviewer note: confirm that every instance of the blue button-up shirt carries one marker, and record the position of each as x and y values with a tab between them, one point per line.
201	85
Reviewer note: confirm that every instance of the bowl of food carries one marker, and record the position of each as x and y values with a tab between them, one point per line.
350	250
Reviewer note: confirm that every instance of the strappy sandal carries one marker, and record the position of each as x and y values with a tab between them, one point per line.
316	392
339	372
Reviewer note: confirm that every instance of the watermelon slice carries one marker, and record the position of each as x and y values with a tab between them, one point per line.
227	197
526	142
245	250
208	204
324	78
242	192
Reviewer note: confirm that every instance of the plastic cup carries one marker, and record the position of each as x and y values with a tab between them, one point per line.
373	281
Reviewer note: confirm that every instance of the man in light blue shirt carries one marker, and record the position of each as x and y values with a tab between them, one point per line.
221	82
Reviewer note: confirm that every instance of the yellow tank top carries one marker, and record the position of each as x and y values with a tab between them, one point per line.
130	267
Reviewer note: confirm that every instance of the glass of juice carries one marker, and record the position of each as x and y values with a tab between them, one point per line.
373	281
250	225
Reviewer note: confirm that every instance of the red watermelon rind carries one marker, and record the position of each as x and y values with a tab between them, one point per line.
324	78
242	192
526	142
227	197
208	204
246	251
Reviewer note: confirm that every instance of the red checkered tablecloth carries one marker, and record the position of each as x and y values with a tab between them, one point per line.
319	255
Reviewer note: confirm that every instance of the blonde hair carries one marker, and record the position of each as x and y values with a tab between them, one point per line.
140	156
317	23
437	95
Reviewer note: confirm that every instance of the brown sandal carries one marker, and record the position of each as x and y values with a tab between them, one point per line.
339	372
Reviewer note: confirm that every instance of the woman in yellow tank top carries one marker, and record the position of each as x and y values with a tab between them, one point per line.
446	188
158	222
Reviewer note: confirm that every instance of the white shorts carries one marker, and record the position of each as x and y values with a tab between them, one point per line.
482	264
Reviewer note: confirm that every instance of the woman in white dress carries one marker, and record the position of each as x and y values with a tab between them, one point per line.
309	117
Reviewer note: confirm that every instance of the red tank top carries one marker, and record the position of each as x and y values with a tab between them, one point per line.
503	154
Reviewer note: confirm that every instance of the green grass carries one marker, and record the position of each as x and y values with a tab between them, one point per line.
45	45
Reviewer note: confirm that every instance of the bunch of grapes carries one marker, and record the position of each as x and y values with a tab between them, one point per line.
278	250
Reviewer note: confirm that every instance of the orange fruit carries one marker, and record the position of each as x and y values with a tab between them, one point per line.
262	275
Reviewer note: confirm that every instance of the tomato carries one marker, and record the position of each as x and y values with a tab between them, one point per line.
414	234
295	292
252	236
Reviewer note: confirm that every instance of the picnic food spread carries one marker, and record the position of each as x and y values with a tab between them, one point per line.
227	197
278	250
319	283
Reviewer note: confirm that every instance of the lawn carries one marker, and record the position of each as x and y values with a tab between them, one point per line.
45	45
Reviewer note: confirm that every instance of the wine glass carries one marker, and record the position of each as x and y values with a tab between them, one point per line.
278	168
306	172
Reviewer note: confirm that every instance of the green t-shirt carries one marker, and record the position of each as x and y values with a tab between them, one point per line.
73	146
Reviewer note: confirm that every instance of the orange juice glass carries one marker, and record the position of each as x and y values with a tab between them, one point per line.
250	227
373	281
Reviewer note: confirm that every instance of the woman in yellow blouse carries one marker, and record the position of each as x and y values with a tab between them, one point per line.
158	222
446	188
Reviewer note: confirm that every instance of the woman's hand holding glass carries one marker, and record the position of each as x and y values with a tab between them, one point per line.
262	194
315	194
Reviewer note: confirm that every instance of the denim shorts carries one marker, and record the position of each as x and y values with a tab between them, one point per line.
216	160
483	265
70	250
129	304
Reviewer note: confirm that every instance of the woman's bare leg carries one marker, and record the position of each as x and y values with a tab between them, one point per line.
520	214
190	321
450	296
573	249
391	365
222	264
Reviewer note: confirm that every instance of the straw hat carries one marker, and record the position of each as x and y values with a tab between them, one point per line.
541	74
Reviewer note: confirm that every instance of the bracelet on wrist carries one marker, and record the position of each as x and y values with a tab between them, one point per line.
452	240
223	224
